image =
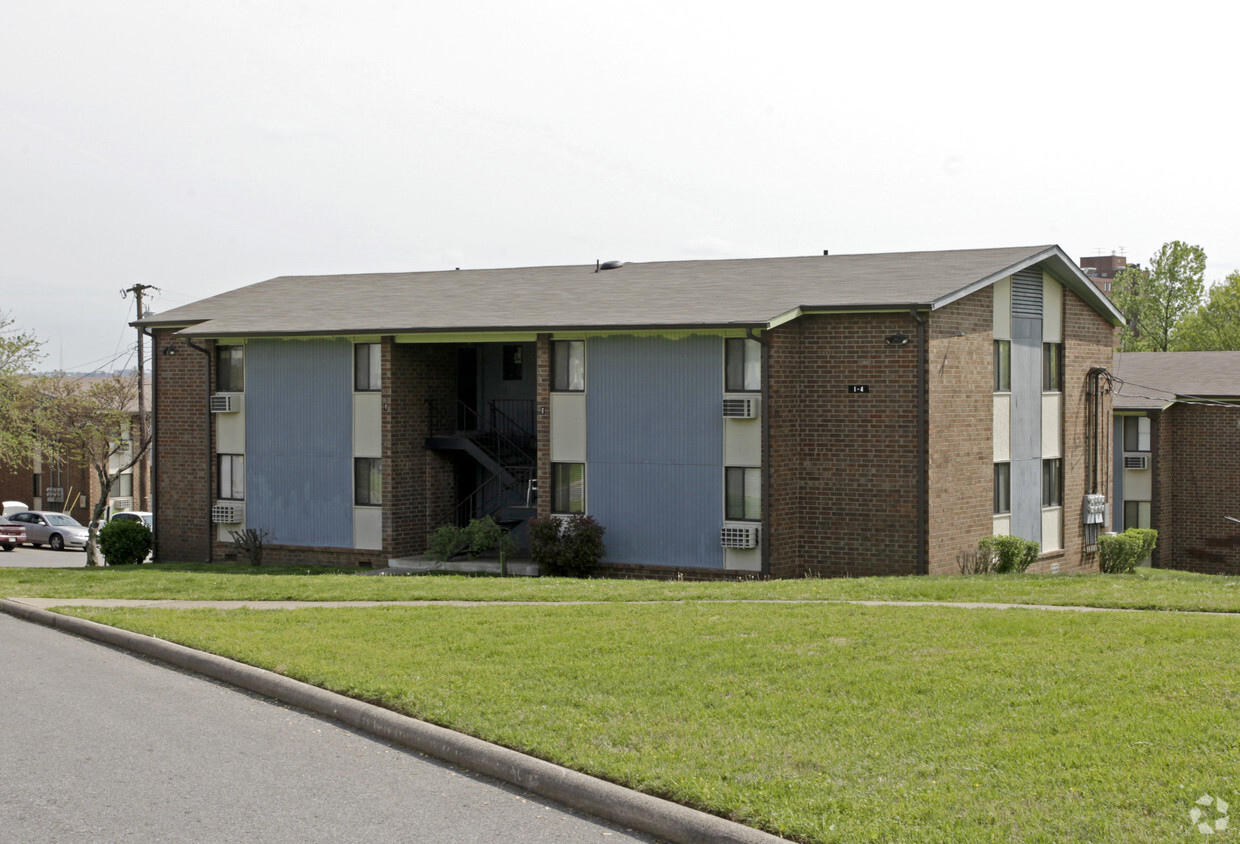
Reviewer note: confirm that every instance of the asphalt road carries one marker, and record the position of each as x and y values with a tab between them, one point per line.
100	745
41	558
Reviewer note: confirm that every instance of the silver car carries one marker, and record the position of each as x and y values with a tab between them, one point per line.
58	530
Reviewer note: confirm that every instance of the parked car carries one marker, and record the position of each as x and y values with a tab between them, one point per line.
12	534
146	518
58	530
11	507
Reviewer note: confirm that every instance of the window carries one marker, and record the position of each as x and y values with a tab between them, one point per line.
1052	483
568	365
122	487
232	477
230	369
368	481
1136	514
37	479
1136	433
742	365
512	362
367	367
1003	488
568	487
1003	366
1052	367
742	499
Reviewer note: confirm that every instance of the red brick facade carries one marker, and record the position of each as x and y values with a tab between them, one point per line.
961	409
843	467
184	456
1197	484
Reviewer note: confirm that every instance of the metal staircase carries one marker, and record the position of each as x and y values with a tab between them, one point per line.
498	442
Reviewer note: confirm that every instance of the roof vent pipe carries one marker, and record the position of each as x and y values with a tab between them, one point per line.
824	253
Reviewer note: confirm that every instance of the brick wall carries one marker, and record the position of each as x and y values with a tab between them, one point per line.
843	467
419	486
183	481
1088	340
961	428
1196	470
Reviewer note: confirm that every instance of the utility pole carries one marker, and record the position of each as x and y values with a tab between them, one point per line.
137	290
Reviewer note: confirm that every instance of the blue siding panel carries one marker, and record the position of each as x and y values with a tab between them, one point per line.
654	447
299	441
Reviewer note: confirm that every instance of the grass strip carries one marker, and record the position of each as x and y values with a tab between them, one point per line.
1144	589
822	723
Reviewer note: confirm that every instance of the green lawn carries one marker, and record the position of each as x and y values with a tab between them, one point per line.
822	723
1145	589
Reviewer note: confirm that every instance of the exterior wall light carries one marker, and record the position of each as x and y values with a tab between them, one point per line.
897	339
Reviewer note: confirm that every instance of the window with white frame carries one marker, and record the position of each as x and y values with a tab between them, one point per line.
1136	433
742	365
232	477
1136	514
1003	489
1052	483
230	369
1003	366
1052	367
122	487
742	497
568	366
367	367
568	487
368	481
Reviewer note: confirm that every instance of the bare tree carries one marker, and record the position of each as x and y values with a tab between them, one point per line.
95	424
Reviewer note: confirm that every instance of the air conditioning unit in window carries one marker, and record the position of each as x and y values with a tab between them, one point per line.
739	536
228	513
120	504
741	406
225	403
1136	461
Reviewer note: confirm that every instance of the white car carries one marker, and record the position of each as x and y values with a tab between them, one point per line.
146	518
58	530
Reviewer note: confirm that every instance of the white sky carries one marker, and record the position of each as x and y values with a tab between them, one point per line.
204	146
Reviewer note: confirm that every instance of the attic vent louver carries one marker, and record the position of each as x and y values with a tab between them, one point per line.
1027	293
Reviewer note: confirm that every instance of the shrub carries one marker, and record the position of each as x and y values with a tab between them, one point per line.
1008	554
481	535
249	543
571	547
1120	553
124	542
446	542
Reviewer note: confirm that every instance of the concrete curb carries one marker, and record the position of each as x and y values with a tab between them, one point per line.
588	794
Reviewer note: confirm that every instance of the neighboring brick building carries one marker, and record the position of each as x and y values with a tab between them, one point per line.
1177	455
842	415
1102	269
49	485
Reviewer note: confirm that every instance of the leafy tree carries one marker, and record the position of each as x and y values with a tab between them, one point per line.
1154	300
19	352
1215	325
91	424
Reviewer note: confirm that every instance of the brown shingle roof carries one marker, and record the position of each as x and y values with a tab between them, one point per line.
751	292
1156	379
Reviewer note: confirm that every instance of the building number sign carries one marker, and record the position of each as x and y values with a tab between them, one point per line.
858	388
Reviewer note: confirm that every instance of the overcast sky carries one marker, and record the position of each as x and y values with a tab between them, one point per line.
200	147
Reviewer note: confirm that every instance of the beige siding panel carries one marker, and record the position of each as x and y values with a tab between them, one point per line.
367	425
230	431
368	527
1052	528
568	427
742	442
1003	309
742	559
1052	310
1052	425
1002	525
1003	427
1137	485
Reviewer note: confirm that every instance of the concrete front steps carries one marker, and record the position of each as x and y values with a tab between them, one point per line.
482	565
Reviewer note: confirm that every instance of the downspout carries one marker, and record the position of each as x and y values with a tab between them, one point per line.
764	543
210	439
923	457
